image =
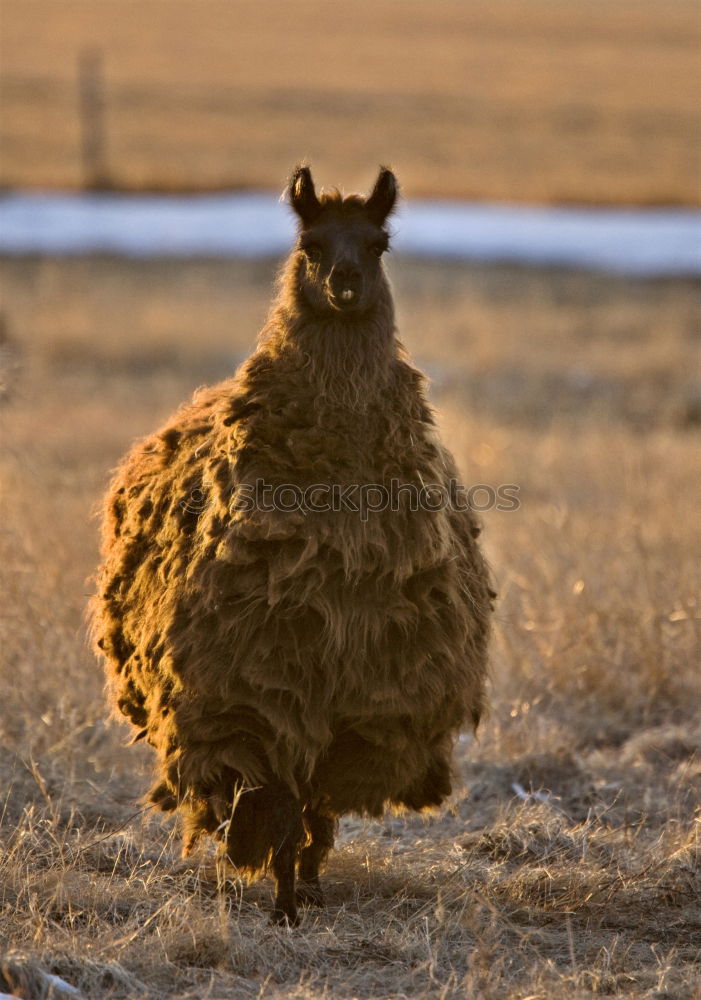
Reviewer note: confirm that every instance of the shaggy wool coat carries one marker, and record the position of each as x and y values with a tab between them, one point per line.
338	652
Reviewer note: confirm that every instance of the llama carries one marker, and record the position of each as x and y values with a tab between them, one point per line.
292	662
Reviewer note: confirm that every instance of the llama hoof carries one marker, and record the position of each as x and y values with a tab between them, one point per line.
284	918
309	894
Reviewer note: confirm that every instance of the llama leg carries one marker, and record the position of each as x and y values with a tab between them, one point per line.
322	830
267	823
283	866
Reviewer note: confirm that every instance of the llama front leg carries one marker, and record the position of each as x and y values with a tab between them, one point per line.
266	823
283	866
322	830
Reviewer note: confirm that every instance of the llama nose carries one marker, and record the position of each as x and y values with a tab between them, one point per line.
345	282
346	276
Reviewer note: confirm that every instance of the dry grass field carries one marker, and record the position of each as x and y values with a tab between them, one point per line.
521	100
568	866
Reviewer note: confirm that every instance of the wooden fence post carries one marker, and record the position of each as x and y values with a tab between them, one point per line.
92	120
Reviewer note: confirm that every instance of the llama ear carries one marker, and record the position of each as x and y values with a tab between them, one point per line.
303	196
383	197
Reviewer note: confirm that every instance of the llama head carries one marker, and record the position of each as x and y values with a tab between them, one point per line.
341	243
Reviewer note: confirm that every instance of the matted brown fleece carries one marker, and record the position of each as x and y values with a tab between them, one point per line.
326	654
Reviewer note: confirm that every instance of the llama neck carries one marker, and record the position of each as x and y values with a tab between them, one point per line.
347	360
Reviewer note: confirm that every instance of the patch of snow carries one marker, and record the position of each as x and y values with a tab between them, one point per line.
255	224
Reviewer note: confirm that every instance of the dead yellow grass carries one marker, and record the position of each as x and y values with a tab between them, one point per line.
570	866
502	99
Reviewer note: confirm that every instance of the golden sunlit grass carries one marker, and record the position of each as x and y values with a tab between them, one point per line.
503	99
570	866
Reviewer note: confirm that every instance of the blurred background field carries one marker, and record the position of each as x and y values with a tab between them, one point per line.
568	865
544	100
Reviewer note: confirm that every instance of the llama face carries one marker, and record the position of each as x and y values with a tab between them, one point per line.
341	244
340	267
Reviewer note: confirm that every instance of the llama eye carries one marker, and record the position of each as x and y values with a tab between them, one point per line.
312	249
378	248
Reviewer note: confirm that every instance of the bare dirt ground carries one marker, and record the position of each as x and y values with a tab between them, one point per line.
539	101
568	865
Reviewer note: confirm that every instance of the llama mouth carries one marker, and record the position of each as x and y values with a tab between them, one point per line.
345	300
